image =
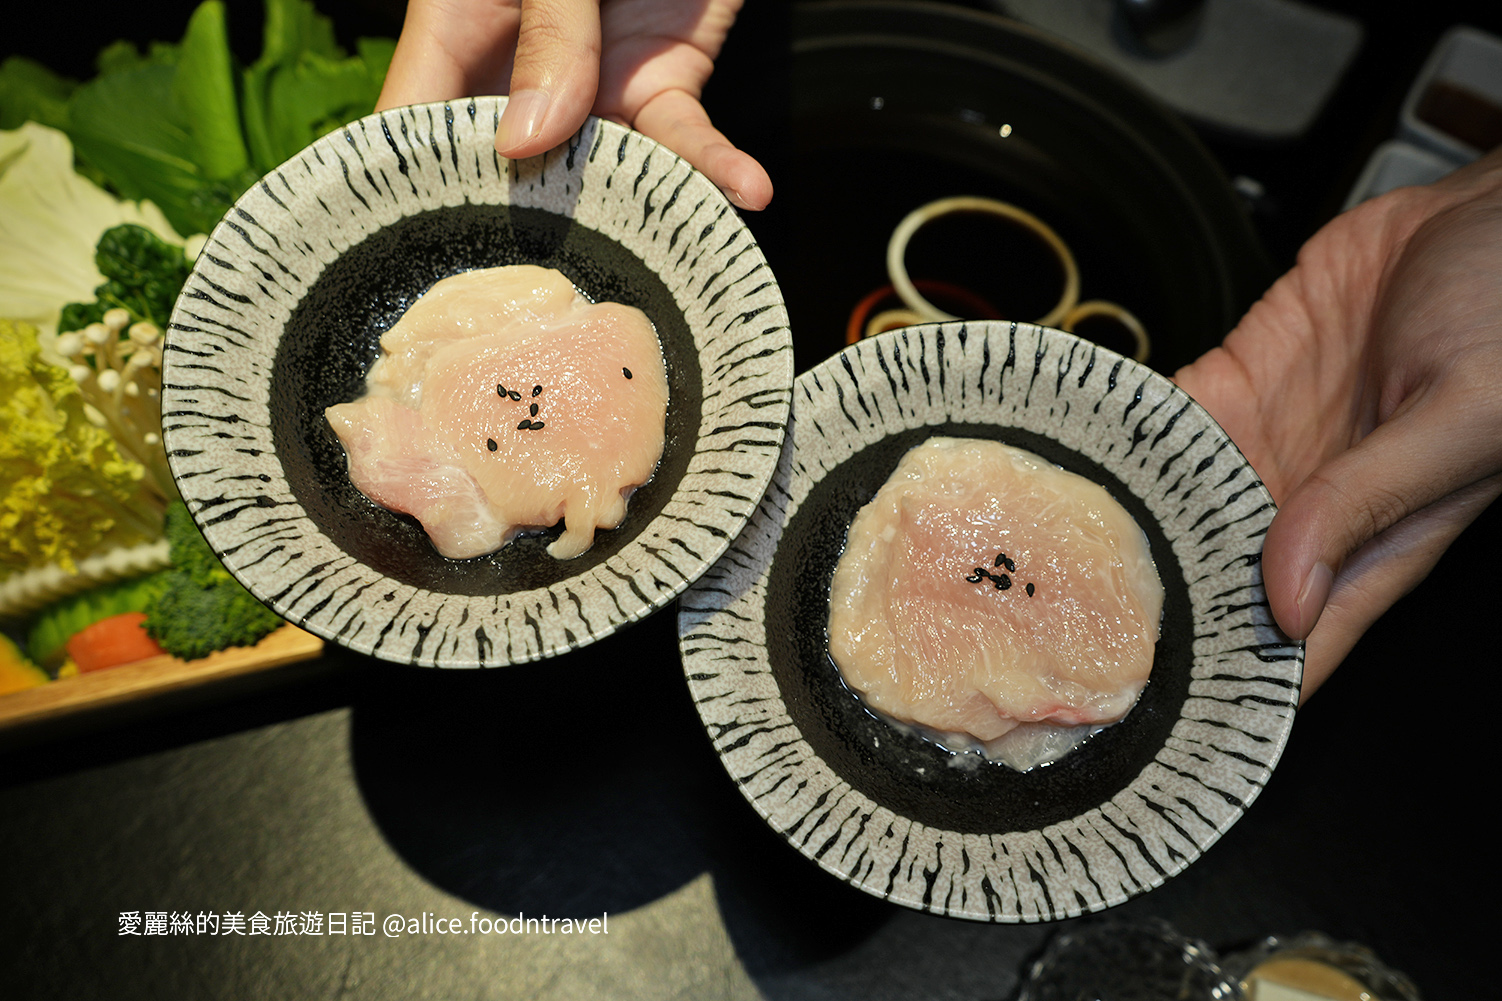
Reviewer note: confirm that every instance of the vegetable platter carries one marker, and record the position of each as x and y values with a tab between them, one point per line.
107	187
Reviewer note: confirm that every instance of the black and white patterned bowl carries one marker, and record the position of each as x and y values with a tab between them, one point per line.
281	317
906	820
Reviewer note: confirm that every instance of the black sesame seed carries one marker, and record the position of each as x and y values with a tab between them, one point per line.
536	390
501	390
537	425
1002	582
490	444
514	395
1000	558
1030	589
626	372
524	426
534	410
975	578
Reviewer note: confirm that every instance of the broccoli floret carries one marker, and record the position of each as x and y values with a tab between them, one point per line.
189	551
143	275
201	607
190	621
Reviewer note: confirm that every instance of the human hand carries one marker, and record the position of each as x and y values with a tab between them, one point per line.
642	63
1364	389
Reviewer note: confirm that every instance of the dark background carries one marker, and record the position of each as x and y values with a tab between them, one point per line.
586	784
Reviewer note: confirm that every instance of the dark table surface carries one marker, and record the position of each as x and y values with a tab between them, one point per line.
579	788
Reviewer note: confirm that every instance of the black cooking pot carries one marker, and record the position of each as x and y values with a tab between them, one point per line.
896	104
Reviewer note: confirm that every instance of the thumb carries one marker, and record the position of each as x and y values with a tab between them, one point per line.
556	73
1367	526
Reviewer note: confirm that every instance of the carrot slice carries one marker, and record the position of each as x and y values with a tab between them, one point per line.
119	639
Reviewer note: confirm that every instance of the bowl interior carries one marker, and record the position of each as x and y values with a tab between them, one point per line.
333	337
901	770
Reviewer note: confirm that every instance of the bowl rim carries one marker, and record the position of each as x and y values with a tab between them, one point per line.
1109	851
269	250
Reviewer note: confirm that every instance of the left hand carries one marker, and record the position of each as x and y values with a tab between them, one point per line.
1363	388
643	63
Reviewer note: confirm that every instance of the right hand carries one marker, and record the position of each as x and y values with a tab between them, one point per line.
1363	389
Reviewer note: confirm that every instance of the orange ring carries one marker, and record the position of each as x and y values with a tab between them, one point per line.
855	326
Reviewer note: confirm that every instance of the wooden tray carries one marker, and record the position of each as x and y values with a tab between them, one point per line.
152	676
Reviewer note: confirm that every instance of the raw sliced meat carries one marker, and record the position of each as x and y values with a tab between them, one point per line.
504	401
983	588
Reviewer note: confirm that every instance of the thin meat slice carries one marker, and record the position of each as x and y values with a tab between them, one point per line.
400	464
504	401
984	588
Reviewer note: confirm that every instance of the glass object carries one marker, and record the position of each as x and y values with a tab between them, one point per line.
1312	966
1114	960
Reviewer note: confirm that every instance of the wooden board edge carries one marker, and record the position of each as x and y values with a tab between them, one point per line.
96	689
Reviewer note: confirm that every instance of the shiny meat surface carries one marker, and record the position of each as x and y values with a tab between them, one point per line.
984	587
504	401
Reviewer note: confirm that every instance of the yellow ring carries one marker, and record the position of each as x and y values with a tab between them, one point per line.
919	217
891	319
1100	307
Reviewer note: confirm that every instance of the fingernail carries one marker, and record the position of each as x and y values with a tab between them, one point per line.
1313	594
522	119
735	198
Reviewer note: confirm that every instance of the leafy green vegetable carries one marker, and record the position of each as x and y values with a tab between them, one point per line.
65	489
124	126
122	55
131	127
143	275
204	89
47	639
183	127
304	86
201	608
30	91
